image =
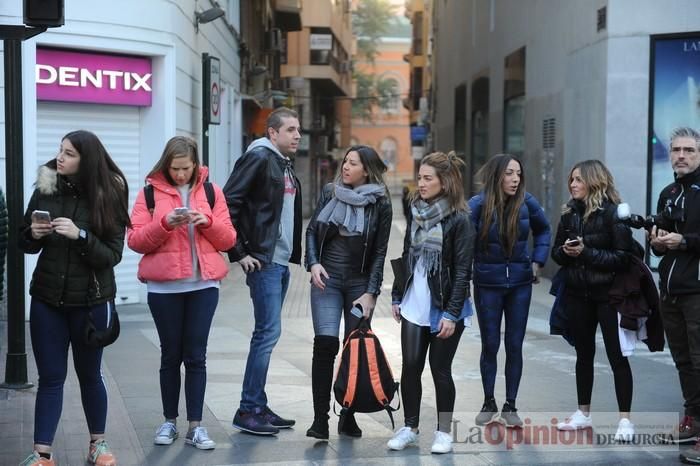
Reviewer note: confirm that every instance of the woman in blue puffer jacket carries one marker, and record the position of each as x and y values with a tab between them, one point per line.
505	268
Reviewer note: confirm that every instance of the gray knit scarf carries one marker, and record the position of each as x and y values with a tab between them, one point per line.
426	231
347	207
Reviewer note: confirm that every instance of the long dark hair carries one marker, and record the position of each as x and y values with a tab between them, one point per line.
176	147
497	204
371	163
103	183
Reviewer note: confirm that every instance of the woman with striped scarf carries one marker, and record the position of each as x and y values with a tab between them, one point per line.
430	301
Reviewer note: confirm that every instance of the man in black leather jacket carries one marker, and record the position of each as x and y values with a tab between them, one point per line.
678	241
264	201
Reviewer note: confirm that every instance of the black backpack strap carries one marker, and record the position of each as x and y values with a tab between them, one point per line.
150	197
151	200
211	194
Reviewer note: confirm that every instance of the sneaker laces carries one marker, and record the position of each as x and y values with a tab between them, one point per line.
99	447
31	459
200	434
166	429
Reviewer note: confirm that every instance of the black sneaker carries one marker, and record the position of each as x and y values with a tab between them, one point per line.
275	420
253	423
509	416
488	414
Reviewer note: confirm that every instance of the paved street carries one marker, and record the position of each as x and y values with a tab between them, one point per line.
131	372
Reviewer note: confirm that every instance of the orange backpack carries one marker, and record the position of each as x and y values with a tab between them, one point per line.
364	382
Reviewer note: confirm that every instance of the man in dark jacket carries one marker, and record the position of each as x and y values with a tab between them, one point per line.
264	200
677	239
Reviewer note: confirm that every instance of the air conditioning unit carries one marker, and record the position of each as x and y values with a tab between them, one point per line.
273	40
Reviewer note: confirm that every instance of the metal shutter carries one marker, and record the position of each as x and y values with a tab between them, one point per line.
118	129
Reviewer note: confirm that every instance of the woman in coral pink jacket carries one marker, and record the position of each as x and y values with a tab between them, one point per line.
180	236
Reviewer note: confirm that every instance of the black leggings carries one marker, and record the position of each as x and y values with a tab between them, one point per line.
415	341
586	314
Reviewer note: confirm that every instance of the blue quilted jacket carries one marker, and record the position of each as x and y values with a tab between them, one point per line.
491	266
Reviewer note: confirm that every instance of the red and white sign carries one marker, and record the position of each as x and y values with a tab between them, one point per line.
72	76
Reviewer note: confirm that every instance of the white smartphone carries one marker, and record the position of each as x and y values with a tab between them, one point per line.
182	210
41	216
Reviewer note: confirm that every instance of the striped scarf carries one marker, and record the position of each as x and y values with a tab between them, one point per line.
426	231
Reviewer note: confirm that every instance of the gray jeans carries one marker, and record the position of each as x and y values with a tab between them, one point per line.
328	305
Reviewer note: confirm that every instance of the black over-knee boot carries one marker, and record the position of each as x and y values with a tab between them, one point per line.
325	350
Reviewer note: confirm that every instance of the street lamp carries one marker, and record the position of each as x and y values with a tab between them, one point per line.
207	16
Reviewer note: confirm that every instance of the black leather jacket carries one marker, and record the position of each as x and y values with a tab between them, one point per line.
679	270
370	259
450	287
255	194
607	247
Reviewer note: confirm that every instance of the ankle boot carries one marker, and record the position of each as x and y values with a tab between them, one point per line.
347	425
325	350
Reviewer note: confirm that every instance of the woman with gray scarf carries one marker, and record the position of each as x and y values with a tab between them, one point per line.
431	302
346	243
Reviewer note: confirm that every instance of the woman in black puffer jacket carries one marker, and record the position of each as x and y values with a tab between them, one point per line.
591	246
75	221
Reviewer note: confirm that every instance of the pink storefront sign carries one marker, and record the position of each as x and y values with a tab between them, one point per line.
69	76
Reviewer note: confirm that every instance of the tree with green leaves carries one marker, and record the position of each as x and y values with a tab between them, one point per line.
371	20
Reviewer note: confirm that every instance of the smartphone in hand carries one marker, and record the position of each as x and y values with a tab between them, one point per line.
181	211
41	216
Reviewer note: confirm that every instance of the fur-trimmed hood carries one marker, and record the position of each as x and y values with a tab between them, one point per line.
47	180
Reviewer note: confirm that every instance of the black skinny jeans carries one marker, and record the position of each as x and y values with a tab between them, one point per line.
586	314
415	341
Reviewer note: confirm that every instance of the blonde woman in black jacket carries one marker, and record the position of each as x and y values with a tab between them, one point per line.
591	245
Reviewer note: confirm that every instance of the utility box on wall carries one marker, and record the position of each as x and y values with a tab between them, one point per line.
47	13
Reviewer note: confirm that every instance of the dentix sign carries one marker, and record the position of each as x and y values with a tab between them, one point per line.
72	76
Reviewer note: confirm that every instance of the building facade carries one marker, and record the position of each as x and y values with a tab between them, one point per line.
264	26
556	83
315	65
131	72
419	58
387	128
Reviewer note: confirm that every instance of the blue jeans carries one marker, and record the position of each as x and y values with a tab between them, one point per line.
183	321
53	330
335	300
491	305
268	288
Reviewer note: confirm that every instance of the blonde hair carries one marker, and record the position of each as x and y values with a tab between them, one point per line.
600	184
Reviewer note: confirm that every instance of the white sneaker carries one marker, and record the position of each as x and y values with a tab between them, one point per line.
576	421
625	431
442	443
166	434
402	438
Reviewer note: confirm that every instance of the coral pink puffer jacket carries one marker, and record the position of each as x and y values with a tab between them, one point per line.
167	254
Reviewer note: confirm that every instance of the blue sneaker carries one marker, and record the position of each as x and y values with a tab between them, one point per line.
253	423
275	420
